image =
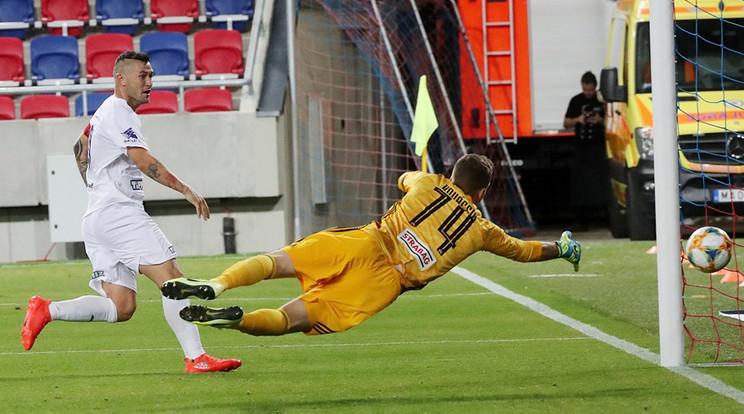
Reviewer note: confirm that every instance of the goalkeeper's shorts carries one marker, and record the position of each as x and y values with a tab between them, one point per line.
345	277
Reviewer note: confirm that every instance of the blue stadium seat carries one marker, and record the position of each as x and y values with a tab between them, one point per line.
94	101
169	53
16	17
119	16
55	59
229	14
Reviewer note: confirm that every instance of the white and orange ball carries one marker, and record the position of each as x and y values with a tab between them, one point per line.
709	249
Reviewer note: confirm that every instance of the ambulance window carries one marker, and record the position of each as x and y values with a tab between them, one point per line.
615	56
709	54
643	59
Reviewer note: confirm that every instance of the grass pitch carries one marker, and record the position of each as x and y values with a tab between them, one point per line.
451	347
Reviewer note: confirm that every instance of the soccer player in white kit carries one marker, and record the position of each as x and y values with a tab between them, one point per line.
121	239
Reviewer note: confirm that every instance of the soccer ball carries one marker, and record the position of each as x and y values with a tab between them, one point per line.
709	249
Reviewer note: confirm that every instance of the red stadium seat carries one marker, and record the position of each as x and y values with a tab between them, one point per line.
45	106
174	15
207	100
7	108
161	102
101	51
218	53
12	72
65	17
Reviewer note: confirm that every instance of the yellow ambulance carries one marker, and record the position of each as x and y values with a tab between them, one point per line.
709	66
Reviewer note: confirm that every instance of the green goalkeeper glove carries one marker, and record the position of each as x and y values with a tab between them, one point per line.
569	249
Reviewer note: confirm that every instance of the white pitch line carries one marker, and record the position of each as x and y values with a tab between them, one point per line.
567	275
303	345
704	380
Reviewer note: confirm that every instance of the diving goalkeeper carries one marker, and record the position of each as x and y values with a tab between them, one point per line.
349	274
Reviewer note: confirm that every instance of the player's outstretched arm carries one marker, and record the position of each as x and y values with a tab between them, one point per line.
148	164
569	249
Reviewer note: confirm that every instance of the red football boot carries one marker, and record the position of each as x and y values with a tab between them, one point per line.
37	316
206	363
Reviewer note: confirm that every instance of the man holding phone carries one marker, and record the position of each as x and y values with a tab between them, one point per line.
589	169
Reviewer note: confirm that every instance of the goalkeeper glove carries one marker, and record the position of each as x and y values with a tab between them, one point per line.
569	249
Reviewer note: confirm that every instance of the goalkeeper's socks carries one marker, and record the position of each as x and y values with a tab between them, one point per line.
84	309
265	322
247	272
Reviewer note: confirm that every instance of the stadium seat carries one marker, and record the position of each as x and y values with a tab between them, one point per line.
7	108
229	14
16	17
65	17
94	100
45	106
12	71
218	53
207	100
161	102
54	59
169	54
119	16
174	15
101	51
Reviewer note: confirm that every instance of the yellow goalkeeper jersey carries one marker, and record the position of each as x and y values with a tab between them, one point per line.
435	226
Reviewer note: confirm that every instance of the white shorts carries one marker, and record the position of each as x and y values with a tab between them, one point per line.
118	239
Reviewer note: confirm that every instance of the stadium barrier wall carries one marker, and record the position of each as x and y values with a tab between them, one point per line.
230	158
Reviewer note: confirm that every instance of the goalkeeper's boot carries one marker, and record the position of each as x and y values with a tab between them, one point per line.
37	316
183	287
229	317
206	363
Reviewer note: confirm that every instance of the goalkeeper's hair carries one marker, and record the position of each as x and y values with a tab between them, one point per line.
472	173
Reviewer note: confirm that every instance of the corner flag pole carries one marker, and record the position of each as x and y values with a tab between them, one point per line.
424	122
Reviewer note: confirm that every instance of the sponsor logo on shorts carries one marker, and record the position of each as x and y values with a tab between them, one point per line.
97	274
419	249
136	185
131	136
171	249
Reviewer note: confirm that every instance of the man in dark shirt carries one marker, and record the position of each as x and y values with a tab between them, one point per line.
585	113
589	175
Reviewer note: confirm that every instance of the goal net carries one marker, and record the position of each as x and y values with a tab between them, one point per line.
358	65
710	87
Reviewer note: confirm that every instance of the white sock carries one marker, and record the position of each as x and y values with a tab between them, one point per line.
187	333
84	309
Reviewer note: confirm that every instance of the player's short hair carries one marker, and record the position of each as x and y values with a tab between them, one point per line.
472	173
588	78
129	55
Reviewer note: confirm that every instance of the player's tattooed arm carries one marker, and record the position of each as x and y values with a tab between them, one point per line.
81	155
149	165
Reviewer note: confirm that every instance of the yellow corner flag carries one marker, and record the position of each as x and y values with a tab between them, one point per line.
424	119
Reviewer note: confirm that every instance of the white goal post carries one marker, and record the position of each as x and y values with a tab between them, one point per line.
666	170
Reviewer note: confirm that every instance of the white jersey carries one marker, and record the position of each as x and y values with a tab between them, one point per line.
112	176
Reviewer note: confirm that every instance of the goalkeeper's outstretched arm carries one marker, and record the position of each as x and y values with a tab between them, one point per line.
565	248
